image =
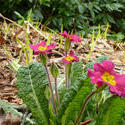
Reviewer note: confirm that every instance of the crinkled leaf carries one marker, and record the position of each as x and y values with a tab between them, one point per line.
74	107
31	84
76	83
111	112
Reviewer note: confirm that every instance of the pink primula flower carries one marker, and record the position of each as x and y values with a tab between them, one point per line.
71	58
72	37
104	73
75	38
42	48
65	34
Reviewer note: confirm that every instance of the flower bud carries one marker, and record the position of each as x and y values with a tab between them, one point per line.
43	59
67	44
54	70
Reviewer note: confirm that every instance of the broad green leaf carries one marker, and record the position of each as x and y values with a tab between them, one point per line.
31	84
51	122
76	83
74	107
67	98
111	112
77	71
52	115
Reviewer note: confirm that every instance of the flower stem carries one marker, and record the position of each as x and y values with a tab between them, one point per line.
65	53
66	76
50	86
56	91
68	82
83	107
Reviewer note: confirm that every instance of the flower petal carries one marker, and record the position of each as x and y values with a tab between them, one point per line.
107	65
36	52
90	73
34	47
95	78
117	90
71	53
76	59
65	61
65	34
51	46
74	38
42	43
98	67
120	79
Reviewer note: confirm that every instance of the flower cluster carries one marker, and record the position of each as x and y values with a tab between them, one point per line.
104	74
42	48
70	58
72	37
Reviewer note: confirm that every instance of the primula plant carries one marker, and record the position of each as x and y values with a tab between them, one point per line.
94	95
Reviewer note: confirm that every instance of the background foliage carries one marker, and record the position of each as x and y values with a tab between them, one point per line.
78	15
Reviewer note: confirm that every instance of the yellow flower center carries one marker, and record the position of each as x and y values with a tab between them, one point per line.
69	58
108	78
41	48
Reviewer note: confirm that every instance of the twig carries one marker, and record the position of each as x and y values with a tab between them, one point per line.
11	21
24	117
41	34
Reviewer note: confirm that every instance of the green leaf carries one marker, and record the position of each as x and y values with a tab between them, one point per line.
47	93
31	84
54	70
77	72
19	15
74	107
67	98
102	58
76	83
111	112
14	64
52	115
8	107
51	122
70	123
90	66
28	48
